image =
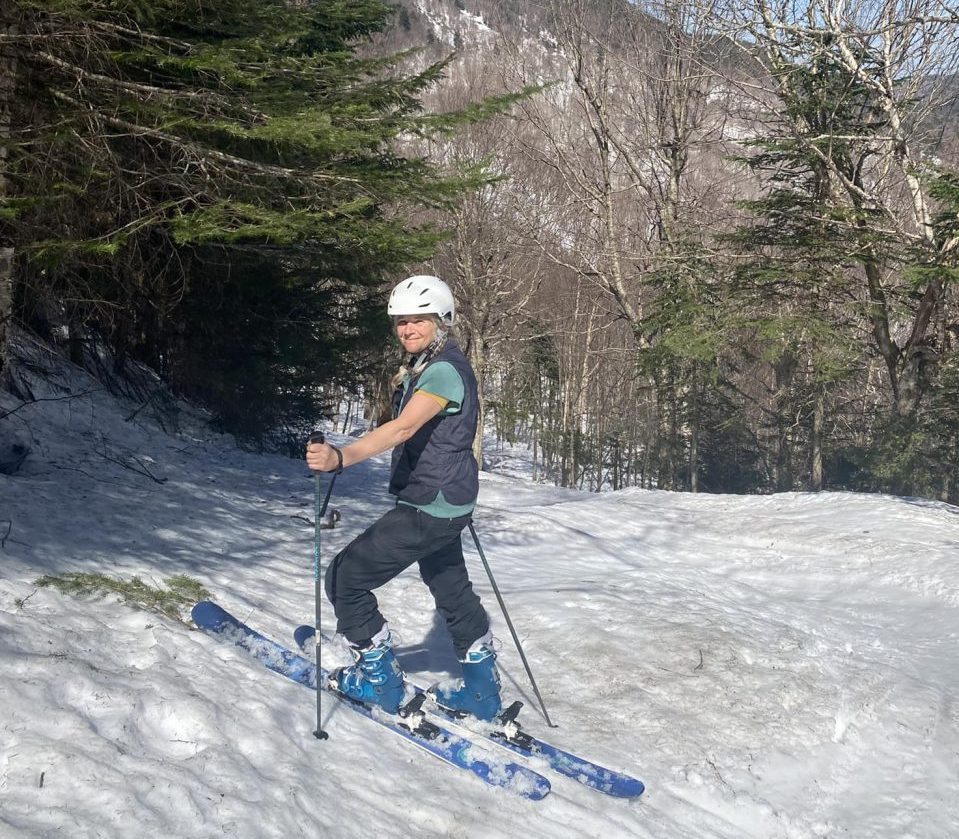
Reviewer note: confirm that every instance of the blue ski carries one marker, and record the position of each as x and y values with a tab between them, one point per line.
448	747
565	763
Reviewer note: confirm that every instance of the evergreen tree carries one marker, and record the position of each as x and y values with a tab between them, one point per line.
215	188
688	324
803	245
919	455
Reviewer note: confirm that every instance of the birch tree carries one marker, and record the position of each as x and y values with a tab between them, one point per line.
888	61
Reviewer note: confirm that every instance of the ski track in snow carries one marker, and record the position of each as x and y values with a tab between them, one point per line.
778	666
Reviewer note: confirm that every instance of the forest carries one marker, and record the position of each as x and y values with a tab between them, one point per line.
697	246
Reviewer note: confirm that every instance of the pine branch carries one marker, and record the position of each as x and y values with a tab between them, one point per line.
206	153
141	35
145	89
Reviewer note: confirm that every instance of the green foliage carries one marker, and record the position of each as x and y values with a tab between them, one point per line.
944	189
686	318
917	455
263	380
181	592
222	177
730	458
689	327
796	291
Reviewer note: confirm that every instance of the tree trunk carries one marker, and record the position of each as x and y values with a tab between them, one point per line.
478	363
785	371
7	81
535	441
564	438
6	306
694	434
816	479
616	465
947	484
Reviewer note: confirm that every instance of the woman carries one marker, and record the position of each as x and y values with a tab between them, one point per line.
434	478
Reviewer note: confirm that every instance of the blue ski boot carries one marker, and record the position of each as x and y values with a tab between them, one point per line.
479	693
376	678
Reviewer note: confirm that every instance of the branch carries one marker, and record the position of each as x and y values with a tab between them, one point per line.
138	34
147	90
142	468
207	153
49	399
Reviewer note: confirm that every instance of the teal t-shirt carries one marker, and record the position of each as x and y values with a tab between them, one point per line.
441	379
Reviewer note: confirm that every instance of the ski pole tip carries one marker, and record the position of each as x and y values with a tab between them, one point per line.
320	734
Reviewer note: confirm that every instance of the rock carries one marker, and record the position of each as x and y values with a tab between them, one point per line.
14	448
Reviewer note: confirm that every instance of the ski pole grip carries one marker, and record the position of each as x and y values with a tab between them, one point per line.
319	437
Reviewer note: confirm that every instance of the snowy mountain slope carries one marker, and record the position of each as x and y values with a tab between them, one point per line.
771	667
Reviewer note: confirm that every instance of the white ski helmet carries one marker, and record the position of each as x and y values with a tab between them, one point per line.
423	294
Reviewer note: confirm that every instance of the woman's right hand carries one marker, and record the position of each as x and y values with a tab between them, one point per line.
322	457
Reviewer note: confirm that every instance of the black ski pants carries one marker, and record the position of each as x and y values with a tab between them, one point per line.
391	545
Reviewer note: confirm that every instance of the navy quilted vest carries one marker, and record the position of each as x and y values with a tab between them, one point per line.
439	457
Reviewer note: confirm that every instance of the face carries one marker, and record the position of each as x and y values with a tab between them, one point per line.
416	332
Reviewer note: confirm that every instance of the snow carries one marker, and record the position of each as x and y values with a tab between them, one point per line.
779	666
475	20
446	25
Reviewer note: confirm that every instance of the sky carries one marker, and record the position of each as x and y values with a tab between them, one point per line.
775	666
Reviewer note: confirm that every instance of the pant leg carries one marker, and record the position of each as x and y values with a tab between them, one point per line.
444	571
390	545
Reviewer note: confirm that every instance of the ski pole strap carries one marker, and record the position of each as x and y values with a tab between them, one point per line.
326	501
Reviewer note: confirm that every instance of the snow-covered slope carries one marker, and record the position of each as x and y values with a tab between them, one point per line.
771	667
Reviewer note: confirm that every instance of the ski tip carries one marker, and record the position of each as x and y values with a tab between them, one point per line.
207	615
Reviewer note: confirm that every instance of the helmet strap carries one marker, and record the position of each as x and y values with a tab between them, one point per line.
415	364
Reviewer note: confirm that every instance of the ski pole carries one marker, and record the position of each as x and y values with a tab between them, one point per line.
509	623
319	510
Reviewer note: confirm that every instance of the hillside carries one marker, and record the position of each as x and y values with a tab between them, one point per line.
775	666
